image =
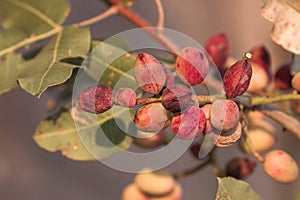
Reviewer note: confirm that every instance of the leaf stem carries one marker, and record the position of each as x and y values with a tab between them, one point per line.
107	13
249	143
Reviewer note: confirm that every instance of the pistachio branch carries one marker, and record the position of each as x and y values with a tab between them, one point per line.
161	14
142	23
289	122
107	13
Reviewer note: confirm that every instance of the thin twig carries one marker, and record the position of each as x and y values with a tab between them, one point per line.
192	170
161	14
249	143
107	13
140	22
287	121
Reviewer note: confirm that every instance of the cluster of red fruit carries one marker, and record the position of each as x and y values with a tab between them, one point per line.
175	104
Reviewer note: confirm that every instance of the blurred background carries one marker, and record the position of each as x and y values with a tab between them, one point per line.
28	172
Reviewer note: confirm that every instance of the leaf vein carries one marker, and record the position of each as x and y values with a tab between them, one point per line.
34	11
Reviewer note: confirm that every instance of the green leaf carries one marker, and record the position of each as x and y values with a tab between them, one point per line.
62	134
111	65
46	69
27	21
8	72
232	189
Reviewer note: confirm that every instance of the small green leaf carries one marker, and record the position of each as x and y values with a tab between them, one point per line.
232	189
111	65
27	21
8	72
46	69
99	133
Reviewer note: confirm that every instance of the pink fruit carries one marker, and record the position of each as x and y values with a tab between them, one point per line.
149	73
218	47
224	115
296	81
176	98
280	166
192	66
283	77
151	117
125	97
261	56
240	168
96	99
189	124
237	78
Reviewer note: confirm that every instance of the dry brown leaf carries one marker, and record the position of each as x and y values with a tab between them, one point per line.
285	15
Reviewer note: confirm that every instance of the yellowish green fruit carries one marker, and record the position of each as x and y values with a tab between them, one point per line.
261	140
155	183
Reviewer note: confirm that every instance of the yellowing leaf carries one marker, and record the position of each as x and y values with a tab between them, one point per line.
46	69
8	72
232	189
285	15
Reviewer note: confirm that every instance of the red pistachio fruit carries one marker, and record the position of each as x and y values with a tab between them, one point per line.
261	56
283	77
96	99
149	73
218	47
176	98
151	117
125	97
192	66
240	168
189	124
237	78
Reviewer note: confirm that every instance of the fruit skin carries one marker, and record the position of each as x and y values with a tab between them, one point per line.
280	166
156	183
176	98
169	77
261	140
149	73
296	81
189	124
192	66
240	168
218	47
151	117
261	56
237	78
125	97
206	109
283	77
96	99
131	192
224	115
260	78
